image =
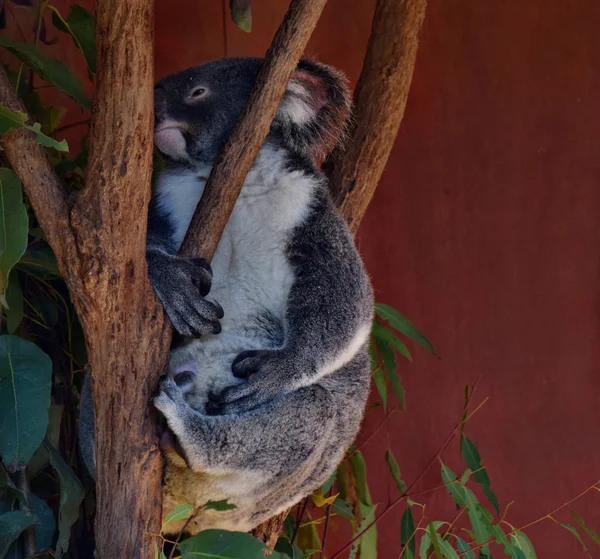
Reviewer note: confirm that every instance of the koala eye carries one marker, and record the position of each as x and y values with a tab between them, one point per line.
196	94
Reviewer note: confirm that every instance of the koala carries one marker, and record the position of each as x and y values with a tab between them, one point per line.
268	389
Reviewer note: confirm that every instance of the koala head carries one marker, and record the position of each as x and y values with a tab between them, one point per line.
196	110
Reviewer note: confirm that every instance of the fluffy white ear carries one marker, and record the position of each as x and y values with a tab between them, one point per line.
305	96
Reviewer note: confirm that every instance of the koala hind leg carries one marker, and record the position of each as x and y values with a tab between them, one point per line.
288	435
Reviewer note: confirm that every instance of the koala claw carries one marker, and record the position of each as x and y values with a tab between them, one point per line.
169	398
181	284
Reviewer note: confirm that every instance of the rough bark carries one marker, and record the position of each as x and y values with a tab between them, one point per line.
379	103
232	166
99	239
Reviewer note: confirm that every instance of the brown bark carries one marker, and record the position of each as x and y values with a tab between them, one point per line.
99	238
379	103
232	166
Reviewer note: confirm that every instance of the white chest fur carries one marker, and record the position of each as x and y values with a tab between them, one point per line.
251	273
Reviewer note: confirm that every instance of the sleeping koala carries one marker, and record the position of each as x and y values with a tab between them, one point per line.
269	395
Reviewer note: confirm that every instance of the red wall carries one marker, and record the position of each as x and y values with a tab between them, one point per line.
485	231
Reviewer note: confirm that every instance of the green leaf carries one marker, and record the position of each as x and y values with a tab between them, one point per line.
464	548
285	547
329	483
387	337
522	542
479	521
40	458
219	505
12	524
71	495
46	525
50	69
222	544
379	380
447	550
434	540
39	261
14	304
180	512
308	536
402	324
389	364
15	119
457	491
341	507
14	225
501	539
395	471
425	545
368	542
585	528
407	534
360	478
25	380
473	460
162	555
81	25
241	13
574	531
8	488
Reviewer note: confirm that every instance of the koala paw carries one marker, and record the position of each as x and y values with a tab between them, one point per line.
268	375
170	401
181	284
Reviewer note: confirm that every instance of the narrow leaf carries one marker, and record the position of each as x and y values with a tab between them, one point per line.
342	508
71	495
12	525
222	544
574	531
15	119
14	225
464	548
241	13
50	69
407	533
360	477
402	324
220	505
473	460
447	550
81	25
425	545
434	540
522	543
381	385
320	500
25	379
180	512
479	522
386	336
46	525
457	491
586	528
368	542
395	471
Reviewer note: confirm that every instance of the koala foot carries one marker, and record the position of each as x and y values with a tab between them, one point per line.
269	374
181	285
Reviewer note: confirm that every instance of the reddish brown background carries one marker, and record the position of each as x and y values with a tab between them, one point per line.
484	231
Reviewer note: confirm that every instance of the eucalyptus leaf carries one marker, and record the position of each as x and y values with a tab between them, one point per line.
457	491
10	119
71	495
45	526
39	261
464	549
181	512
12	524
595	538
14	304
435	540
473	460
341	507
81	25
219	505
522	542
395	471
447	550
25	381
241	13
14	225
407	533
424	546
574	531
360	477
222	544
383	334
50	69
402	324
368	541
479	522
381	385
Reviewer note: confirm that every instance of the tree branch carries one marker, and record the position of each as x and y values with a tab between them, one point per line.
379	101
29	161
234	162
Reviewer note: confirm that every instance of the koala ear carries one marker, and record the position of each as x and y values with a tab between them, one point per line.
314	111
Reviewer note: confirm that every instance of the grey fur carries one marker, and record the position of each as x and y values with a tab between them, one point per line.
265	409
